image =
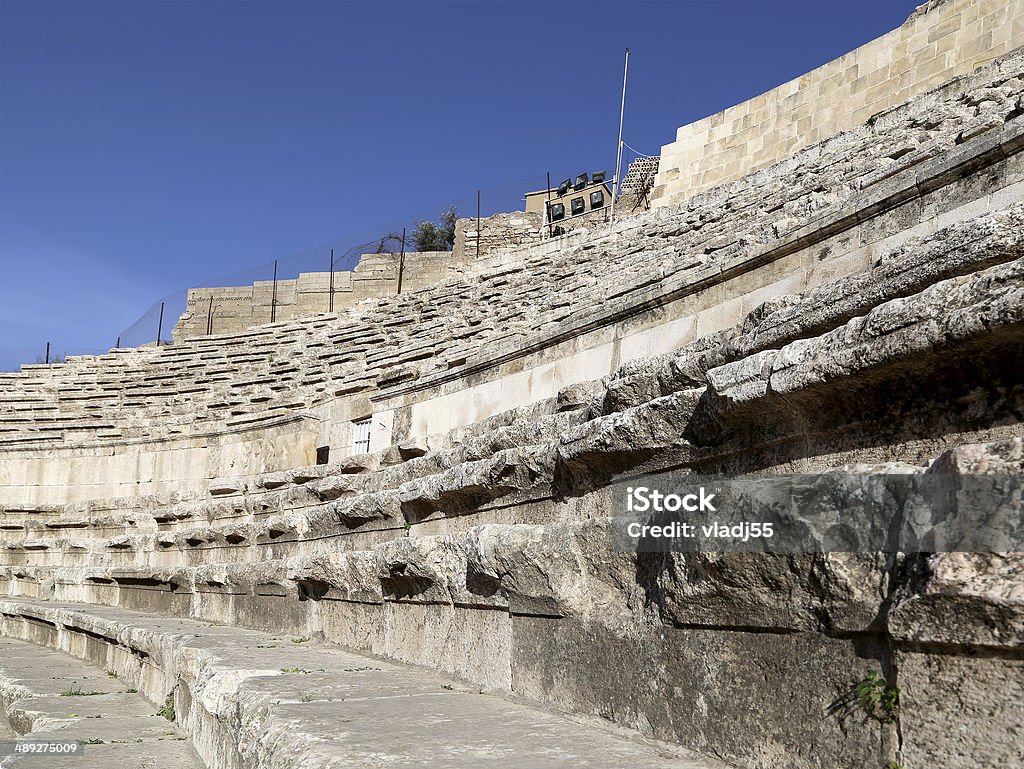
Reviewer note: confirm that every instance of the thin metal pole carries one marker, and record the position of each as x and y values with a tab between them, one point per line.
209	317
330	306
118	345
160	325
618	147
47	352
401	263
547	208
273	296
478	224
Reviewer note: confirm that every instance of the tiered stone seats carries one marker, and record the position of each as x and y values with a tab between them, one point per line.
485	550
230	380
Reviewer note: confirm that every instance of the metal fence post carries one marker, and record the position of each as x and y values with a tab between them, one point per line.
330	307
273	296
401	264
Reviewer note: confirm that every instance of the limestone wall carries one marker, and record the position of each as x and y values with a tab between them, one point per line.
942	40
497	233
237	308
167	467
487	553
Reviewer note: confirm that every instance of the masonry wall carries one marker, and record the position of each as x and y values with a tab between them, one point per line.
942	40
237	308
497	233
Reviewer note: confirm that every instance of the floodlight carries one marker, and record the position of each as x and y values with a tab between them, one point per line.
564	187
557	212
598	177
578	206
581	182
596	199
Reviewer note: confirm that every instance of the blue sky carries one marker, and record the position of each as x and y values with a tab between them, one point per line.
150	145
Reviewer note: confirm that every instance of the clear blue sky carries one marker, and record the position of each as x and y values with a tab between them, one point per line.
147	146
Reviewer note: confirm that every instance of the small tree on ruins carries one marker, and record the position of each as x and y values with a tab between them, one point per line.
429	236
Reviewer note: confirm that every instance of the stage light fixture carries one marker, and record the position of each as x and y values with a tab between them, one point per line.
598	177
564	187
578	206
581	182
596	199
557	212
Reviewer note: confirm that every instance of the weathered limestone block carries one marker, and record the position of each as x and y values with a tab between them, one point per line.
471	484
743	381
225	486
382	506
638	386
983	309
411	448
290	525
336	486
968	599
423	569
274	480
528	431
282	499
359	463
961	711
939	316
302	475
821	592
352	576
720	691
612	443
559	569
582	396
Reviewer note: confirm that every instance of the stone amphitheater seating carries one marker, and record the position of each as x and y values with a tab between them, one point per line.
477	546
286	367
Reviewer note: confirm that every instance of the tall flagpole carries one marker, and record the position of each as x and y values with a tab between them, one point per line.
618	147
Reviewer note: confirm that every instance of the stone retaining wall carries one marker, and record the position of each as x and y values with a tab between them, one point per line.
238	308
942	40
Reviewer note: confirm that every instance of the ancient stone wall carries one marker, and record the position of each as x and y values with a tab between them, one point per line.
942	40
237	308
497	233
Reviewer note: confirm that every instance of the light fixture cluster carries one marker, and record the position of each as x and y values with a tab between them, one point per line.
578	204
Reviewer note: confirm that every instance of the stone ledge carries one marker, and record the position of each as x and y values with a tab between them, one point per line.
120	727
252	699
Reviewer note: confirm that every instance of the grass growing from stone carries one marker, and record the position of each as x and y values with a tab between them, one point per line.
877	699
167	711
76	691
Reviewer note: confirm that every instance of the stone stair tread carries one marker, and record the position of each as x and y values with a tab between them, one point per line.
329	707
122	727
